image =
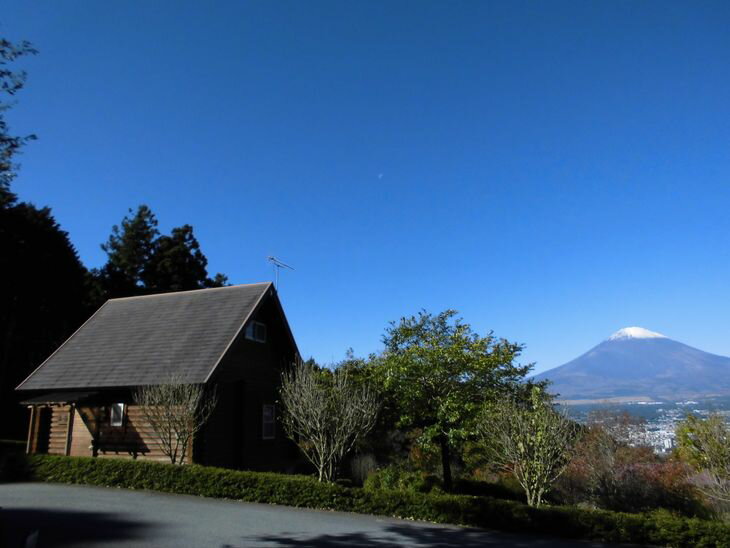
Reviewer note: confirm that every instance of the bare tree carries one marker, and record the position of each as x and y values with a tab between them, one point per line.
326	413
175	410
529	439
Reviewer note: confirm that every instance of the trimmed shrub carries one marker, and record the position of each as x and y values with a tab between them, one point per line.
658	528
13	462
397	478
500	489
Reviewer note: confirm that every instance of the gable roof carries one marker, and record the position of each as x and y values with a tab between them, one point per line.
142	340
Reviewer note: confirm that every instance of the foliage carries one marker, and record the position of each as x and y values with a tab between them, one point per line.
503	488
705	445
45	297
129	250
398	478
178	263
325	413
439	373
37	310
658	528
175	410
529	439
607	472
11	82
140	260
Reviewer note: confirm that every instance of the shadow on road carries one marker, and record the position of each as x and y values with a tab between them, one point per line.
400	535
59	528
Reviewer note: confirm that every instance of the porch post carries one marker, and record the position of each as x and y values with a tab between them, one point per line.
69	428
32	431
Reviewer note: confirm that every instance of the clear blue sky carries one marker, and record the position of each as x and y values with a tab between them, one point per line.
554	171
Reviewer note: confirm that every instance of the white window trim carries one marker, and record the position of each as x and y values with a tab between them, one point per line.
272	422
112	422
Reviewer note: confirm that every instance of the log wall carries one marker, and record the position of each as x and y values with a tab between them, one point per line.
58	430
51	433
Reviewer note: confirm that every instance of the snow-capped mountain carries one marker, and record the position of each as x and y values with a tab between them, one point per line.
638	364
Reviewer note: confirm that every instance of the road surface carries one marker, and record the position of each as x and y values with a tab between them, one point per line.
67	516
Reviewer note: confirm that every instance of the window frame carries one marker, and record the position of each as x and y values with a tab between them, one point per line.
253	329
270	422
113	406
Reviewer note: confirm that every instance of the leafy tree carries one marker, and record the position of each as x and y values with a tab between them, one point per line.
529	439
439	373
705	445
11	81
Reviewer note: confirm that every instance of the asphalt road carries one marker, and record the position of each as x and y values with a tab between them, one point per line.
68	516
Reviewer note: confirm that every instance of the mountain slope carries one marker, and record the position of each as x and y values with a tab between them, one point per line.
637	363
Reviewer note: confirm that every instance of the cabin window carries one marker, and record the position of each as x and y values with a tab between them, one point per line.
117	414
256	331
268	422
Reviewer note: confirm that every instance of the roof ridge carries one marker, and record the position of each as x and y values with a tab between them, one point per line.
187	291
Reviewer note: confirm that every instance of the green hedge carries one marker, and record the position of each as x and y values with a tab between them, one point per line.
659	528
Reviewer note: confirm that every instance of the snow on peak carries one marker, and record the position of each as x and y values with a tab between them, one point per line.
635	333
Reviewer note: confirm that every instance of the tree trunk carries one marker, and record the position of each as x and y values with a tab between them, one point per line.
446	462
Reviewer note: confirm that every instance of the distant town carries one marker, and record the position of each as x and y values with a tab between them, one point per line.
661	417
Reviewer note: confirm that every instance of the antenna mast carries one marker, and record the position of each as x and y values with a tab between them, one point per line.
278	265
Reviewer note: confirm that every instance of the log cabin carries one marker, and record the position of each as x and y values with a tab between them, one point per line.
235	339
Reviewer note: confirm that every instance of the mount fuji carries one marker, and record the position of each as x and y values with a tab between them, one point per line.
637	364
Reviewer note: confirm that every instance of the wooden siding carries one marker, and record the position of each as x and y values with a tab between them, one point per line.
134	439
38	430
248	378
81	439
58	430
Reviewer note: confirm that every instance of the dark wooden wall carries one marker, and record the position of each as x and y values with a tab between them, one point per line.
247	378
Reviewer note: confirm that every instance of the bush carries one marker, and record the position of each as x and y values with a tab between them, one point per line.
397	478
658	528
509	490
13	462
622	478
361	466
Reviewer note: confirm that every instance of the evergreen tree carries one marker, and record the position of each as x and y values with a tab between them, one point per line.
177	263
43	286
10	83
129	249
141	261
44	298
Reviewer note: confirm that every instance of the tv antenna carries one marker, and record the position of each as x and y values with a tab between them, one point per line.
278	265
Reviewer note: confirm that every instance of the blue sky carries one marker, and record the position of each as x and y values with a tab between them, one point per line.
553	170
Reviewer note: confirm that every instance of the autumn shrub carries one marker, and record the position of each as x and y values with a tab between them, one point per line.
606	473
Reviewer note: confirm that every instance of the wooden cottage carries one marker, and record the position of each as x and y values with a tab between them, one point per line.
234	338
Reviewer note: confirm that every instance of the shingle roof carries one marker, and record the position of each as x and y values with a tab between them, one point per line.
142	340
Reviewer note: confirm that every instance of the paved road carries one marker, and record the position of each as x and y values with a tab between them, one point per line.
67	516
